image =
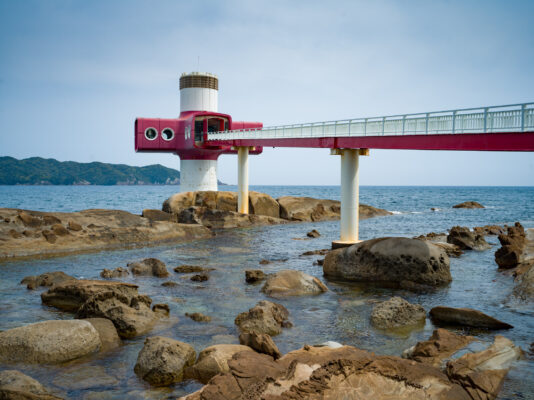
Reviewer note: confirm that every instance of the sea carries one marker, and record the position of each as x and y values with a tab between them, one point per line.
341	314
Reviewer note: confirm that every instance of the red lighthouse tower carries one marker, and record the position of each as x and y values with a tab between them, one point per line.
186	135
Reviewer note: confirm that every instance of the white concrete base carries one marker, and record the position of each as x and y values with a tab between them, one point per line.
198	175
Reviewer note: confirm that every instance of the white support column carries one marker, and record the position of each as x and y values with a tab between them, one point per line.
242	180
350	191
196	175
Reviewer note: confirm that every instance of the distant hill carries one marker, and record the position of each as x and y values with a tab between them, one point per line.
41	171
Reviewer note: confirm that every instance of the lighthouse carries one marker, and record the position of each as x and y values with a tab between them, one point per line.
186	135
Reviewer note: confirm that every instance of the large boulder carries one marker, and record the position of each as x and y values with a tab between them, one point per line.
393	261
162	361
263	204
149	267
108	333
213	200
48	279
468	204
117	301
466	317
178	202
466	240
512	245
439	347
15	385
327	373
49	342
213	360
292	283
118	272
482	374
264	317
397	312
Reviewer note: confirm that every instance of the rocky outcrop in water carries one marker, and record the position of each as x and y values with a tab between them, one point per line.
119	272
149	267
49	342
292	283
390	262
397	312
222	219
438	348
14	385
48	279
117	301
524	288
465	239
510	254
263	204
468	204
108	333
491	230
264	317
35	233
466	317
254	275
162	361
213	360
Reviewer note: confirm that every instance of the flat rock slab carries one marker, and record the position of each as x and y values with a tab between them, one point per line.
292	283
35	233
466	317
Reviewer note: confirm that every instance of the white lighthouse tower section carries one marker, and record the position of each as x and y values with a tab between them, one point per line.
198	175
198	92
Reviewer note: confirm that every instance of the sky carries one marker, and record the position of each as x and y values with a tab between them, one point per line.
74	75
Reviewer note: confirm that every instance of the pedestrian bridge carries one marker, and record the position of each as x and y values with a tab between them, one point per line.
497	128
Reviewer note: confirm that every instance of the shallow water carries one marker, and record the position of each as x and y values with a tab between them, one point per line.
341	315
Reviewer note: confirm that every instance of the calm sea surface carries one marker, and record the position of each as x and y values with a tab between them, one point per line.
342	314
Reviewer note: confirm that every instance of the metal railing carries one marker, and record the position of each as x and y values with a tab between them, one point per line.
509	118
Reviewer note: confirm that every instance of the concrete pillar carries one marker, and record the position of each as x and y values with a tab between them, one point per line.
350	191
242	180
198	175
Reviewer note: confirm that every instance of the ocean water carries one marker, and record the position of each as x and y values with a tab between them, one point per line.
341	314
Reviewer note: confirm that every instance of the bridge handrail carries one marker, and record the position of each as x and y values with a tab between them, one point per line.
505	118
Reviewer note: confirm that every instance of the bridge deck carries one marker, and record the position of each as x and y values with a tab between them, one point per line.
499	128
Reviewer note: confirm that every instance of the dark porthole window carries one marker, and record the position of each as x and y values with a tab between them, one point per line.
167	134
151	133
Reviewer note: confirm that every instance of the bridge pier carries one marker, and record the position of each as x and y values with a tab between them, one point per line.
242	180
350	191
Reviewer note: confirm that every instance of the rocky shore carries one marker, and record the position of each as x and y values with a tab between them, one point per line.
184	216
107	315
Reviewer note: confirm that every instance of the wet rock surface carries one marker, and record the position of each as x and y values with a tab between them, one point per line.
17	386
465	239
510	254
149	267
117	301
213	360
313	233
397	312
264	317
108	334
119	272
49	342
48	279
292	283
438	348
263	204
88	230
198	317
389	262
254	275
162	361
221	219
468	204
466	317
260	342
186	269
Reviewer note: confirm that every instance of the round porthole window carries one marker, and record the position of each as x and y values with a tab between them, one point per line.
167	134
151	133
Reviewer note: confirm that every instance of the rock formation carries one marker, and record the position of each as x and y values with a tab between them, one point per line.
466	317
390	262
397	312
468	204
292	283
264	317
466	240
513	244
